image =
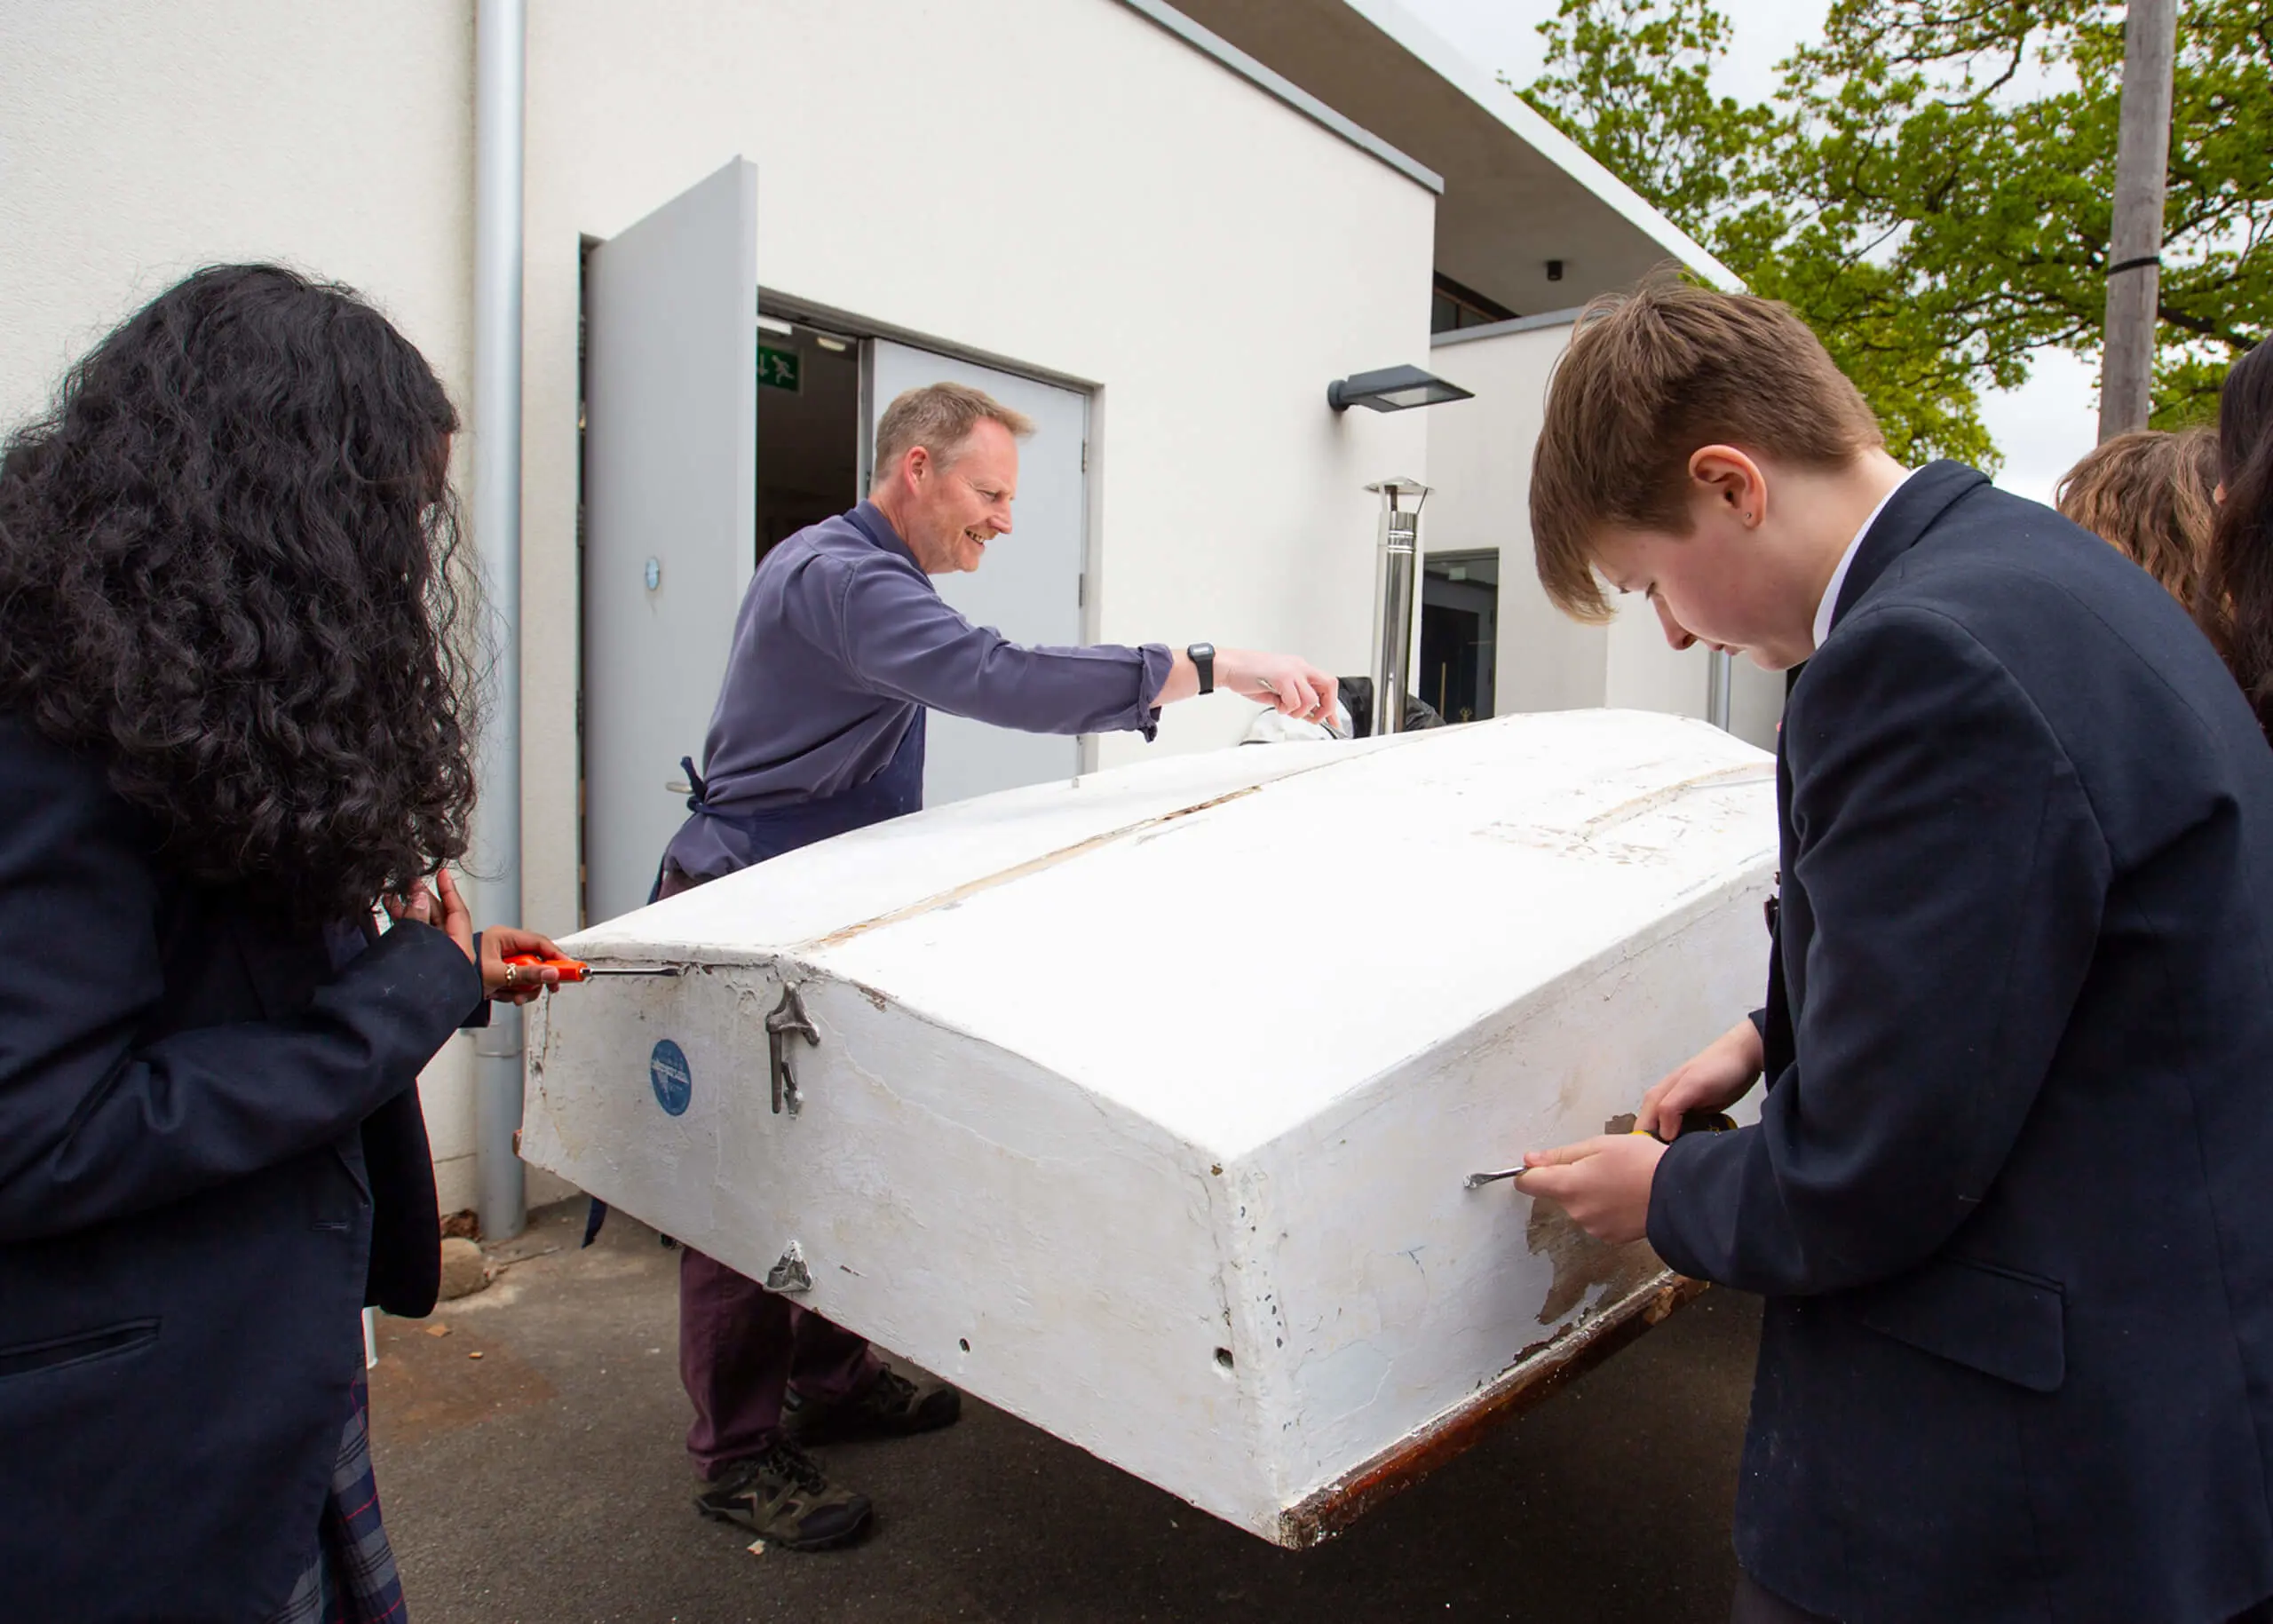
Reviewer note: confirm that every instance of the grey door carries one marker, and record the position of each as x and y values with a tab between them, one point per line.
670	494
1029	587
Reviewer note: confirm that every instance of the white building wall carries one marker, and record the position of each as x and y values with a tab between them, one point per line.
1110	205
1056	182
1479	460
140	140
1059	183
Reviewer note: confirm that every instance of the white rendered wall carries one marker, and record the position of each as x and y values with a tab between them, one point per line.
1479	460
1096	229
1756	704
139	140
1131	213
1058	183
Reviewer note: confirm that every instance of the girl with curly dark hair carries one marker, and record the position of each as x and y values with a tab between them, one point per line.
233	719
2234	601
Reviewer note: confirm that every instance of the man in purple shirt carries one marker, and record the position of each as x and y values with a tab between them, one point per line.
842	646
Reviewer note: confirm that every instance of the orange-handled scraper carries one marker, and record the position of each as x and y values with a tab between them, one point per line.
576	969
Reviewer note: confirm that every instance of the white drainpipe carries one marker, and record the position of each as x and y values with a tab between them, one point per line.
499	96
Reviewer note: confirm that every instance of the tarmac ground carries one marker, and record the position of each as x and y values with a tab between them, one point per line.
530	1449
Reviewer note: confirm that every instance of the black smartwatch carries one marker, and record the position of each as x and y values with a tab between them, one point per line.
1202	655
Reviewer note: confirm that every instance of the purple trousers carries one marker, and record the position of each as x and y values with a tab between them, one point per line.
742	1346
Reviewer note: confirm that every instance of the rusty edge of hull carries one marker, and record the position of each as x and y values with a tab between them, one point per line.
1542	1370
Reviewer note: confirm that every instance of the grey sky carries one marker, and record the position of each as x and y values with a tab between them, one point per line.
2041	427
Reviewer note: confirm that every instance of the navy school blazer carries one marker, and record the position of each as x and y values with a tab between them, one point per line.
2010	1199
211	1156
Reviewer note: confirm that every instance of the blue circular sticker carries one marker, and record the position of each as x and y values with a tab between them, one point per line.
666	1069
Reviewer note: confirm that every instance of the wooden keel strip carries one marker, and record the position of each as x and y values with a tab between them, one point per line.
1541	1370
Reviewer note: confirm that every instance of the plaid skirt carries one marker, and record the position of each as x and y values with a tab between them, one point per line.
350	1575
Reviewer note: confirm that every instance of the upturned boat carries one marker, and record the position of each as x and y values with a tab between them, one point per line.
1143	1106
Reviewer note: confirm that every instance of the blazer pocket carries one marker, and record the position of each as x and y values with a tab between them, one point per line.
339	1186
81	1348
351	1164
1998	1321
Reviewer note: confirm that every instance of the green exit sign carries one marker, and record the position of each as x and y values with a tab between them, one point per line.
777	368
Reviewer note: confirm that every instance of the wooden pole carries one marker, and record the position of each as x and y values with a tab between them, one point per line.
2134	246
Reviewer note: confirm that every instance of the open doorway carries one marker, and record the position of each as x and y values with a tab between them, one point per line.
808	427
1460	633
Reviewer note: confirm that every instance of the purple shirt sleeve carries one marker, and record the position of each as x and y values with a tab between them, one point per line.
903	640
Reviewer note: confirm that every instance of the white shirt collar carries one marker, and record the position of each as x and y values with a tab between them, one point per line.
1829	606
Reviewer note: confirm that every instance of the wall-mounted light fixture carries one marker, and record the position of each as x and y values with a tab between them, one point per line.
1392	389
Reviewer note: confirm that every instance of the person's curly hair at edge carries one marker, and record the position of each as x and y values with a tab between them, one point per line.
255	619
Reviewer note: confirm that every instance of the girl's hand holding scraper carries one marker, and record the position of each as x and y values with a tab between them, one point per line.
448	913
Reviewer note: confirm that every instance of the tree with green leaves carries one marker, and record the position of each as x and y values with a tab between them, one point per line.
1932	186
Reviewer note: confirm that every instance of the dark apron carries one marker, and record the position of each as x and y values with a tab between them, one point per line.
894	792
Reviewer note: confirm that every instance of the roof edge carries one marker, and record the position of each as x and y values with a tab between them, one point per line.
1276	84
1503	103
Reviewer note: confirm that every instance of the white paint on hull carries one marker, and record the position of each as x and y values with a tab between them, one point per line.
1143	1102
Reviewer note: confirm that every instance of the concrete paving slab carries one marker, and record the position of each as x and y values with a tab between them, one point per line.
546	1482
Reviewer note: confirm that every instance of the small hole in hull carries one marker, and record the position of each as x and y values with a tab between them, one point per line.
1223	1357
963	1343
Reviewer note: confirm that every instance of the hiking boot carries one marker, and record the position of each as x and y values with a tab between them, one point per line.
890	1407
784	1498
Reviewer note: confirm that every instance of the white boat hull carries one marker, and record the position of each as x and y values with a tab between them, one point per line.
1143	1105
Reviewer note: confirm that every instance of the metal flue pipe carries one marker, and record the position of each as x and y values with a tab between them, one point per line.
1397	564
499	97
1720	679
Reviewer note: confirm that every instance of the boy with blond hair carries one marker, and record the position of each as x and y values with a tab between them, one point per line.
2010	1199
